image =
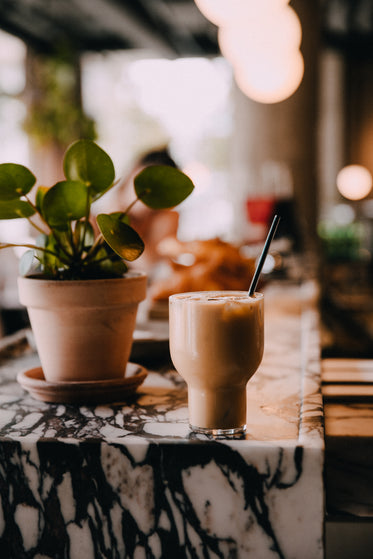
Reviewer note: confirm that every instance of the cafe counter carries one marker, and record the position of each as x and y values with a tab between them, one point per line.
128	479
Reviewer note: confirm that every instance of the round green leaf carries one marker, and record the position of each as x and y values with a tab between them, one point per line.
120	236
85	161
15	181
66	201
161	187
14	209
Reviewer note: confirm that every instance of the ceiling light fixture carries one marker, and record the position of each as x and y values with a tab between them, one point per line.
262	42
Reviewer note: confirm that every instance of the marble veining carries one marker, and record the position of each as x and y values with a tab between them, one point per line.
129	480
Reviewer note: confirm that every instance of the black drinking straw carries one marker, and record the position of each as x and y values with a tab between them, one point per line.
263	256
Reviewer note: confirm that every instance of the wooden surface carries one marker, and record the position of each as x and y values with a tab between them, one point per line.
348	411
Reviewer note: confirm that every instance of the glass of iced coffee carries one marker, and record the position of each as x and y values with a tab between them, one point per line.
216	345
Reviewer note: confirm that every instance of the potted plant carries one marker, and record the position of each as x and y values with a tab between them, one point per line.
81	297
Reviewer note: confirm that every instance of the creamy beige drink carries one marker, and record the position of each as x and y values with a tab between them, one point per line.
216	344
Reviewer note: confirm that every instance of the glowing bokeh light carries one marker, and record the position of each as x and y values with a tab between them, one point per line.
262	42
223	12
354	182
12	49
271	77
281	31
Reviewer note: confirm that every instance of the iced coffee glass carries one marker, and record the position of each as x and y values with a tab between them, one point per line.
216	345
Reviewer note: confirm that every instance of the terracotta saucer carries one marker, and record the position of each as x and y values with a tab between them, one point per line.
83	392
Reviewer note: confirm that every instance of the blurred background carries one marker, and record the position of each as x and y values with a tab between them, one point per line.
267	106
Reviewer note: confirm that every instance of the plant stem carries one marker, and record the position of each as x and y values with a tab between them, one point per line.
93	249
35	226
62	248
30	202
72	244
26	245
129	208
85	224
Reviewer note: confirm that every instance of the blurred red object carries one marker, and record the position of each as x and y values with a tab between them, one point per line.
260	210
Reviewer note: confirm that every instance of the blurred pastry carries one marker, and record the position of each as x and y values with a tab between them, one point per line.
202	266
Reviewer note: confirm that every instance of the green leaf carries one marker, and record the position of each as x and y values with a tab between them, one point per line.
66	201
85	161
162	187
113	268
14	209
109	263
40	193
15	181
121	237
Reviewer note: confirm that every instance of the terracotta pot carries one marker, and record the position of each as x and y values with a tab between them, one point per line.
83	329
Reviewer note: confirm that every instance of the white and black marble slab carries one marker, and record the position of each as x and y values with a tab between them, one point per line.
129	480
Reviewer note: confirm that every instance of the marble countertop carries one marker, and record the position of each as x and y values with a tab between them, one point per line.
130	480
